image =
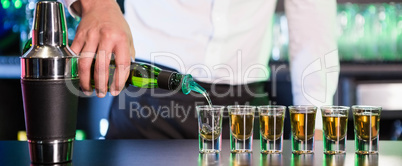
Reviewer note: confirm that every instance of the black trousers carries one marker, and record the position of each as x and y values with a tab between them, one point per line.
155	114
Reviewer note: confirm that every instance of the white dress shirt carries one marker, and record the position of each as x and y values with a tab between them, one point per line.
229	41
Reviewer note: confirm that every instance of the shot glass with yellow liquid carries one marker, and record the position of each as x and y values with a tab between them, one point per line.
210	128
241	120
302	121
271	128
335	124
367	128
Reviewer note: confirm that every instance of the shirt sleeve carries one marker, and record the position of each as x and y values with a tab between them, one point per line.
314	60
68	4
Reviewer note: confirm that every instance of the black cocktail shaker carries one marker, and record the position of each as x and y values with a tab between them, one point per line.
49	81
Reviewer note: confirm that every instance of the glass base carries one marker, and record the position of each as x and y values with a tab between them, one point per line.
302	147
302	152
271	152
241	151
366	152
366	147
206	151
335	152
271	146
334	146
241	146
209	146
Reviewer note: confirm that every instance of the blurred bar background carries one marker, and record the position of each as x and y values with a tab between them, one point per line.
370	50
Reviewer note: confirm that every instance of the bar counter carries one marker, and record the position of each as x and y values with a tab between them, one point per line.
185	152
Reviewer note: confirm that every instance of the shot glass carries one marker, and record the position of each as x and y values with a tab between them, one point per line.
335	125
271	128
302	121
367	128
210	128
241	119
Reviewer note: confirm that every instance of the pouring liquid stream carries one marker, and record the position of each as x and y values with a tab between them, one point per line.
197	88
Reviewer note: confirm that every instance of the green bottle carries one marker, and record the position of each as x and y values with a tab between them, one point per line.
145	75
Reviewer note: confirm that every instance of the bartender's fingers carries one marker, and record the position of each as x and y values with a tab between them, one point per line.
123	52
86	57
101	72
78	42
84	71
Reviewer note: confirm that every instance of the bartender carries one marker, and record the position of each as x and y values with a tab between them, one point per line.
223	44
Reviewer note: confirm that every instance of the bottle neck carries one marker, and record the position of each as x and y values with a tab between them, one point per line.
169	80
145	75
175	81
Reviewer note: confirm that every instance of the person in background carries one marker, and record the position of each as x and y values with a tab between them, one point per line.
223	44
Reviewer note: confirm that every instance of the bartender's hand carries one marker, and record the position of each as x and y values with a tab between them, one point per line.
102	30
